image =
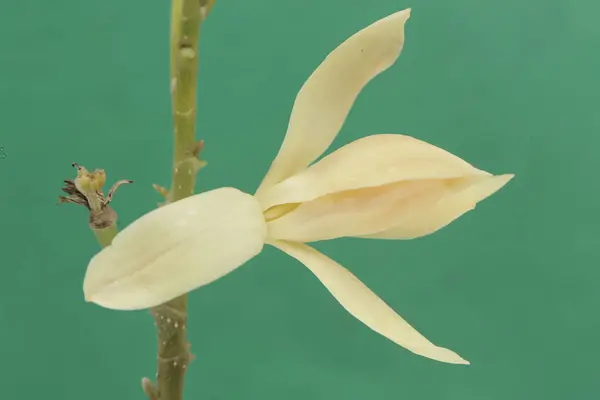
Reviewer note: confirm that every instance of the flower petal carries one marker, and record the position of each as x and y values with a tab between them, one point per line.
356	212
363	304
175	249
368	162
408	209
325	99
427	217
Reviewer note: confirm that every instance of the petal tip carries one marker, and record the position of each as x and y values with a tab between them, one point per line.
86	293
504	179
89	298
446	356
405	13
462	361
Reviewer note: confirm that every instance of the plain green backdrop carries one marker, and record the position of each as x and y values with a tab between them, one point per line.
510	86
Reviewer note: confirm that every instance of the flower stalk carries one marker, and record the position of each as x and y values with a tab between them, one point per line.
171	318
186	18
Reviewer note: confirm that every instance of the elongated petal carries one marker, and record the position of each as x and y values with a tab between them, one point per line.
406	209
324	101
363	304
175	249
368	162
357	212
426	218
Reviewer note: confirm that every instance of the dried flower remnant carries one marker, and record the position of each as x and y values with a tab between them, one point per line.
86	190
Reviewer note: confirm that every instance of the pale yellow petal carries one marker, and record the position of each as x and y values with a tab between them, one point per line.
368	162
428	217
175	249
401	210
323	103
364	305
357	212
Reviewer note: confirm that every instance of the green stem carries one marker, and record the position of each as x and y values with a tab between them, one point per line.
171	318
186	19
106	235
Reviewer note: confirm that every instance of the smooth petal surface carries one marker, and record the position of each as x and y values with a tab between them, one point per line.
368	162
324	101
406	209
356	212
175	249
426	218
363	304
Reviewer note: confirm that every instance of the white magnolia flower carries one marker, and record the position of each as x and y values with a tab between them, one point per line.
381	186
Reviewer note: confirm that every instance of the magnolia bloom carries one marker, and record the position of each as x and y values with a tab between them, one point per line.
382	186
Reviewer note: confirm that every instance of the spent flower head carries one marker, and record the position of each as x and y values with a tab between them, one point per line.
86	190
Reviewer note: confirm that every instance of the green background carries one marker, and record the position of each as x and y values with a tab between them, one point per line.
510	86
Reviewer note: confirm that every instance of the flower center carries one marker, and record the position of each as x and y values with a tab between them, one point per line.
279	211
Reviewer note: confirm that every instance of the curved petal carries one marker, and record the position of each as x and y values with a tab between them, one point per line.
368	162
324	101
429	218
408	209
364	305
356	212
175	249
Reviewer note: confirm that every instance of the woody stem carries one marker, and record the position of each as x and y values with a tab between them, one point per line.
171	318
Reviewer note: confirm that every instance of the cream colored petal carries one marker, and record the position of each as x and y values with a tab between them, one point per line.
406	209
368	162
324	101
428	217
357	212
175	249
364	305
